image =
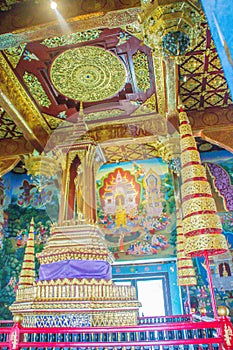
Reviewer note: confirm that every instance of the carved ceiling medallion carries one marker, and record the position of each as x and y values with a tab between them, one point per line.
88	74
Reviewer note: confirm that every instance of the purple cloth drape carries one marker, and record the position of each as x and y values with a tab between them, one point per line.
76	269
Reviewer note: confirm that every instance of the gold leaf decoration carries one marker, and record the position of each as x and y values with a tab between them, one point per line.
141	69
14	54
36	89
88	74
71	39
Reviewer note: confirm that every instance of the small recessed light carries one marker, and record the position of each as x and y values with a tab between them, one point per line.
53	5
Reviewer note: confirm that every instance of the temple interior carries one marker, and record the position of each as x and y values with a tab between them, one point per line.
116	165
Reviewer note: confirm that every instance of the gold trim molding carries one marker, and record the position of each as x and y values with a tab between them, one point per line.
22	110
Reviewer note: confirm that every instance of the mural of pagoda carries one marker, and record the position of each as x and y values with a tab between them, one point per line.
120	193
135	206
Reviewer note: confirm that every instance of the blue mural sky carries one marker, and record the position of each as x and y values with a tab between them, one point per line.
217	156
12	182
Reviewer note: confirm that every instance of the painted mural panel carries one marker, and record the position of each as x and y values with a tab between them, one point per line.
136	209
21	198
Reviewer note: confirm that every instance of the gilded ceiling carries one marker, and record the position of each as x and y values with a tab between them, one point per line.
103	69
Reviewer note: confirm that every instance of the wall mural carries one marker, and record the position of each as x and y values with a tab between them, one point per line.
136	209
21	198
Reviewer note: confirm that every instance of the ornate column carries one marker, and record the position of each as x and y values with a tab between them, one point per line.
170	28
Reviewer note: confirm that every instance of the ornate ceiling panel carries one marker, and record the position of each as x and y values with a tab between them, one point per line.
34	65
130	151
8	129
34	14
38	104
201	78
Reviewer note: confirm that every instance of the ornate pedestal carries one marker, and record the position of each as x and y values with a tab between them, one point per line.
75	287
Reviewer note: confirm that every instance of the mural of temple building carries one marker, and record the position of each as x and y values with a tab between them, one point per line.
121	194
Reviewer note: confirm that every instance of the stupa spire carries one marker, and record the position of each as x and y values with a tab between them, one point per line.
27	274
201	225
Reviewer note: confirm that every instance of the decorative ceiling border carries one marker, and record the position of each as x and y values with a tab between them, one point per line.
81	23
22	110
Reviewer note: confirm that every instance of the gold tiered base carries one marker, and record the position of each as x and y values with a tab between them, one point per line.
75	240
76	303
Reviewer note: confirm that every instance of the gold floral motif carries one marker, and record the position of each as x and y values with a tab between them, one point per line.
213	243
53	122
183	117
72	38
98	292
91	74
141	70
214	59
198	204
196	187
201	221
187	281
14	54
186	272
160	86
108	113
69	254
184	263
15	92
75	281
185	129
190	156
193	64
36	89
147	107
187	142
196	170
213	100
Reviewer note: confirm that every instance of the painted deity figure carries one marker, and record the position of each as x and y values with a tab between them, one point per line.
154	206
120	215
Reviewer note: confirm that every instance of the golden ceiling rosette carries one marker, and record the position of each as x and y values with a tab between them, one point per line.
201	225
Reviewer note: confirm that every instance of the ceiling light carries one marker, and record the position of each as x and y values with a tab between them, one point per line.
53	5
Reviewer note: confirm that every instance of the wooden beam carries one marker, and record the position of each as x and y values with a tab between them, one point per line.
14	148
